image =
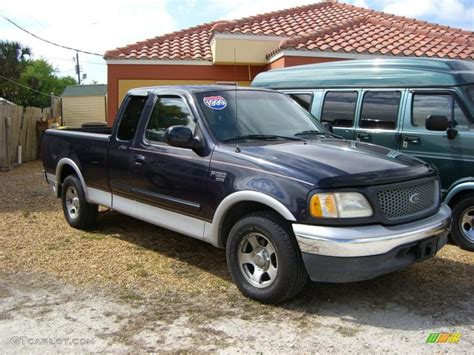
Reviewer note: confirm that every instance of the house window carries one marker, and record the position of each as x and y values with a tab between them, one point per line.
380	109
304	100
131	116
425	105
339	108
168	111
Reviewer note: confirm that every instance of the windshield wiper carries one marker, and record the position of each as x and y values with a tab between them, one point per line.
310	131
315	133
263	137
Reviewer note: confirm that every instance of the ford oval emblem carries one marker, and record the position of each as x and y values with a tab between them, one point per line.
415	198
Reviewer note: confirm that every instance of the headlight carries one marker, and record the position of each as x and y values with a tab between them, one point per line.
339	205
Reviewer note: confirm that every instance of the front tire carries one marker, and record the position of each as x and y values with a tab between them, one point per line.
462	230
78	212
264	259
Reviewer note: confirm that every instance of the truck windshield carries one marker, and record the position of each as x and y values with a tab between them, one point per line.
260	116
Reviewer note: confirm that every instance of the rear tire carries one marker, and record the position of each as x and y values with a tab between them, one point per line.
462	230
264	259
78	212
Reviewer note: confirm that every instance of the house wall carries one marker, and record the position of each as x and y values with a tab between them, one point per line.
123	77
290	61
82	109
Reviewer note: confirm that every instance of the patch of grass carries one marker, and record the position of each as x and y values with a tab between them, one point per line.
92	237
5	316
130	295
142	273
347	332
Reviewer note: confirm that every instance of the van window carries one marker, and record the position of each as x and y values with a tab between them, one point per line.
304	100
380	109
168	111
425	105
339	108
131	116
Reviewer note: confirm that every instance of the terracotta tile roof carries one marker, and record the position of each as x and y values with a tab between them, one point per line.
327	26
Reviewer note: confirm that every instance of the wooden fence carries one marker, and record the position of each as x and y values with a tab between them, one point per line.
19	128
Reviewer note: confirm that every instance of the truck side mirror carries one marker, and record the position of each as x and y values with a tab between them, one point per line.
328	126
180	136
436	123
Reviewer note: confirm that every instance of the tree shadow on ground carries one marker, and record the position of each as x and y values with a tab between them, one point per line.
439	290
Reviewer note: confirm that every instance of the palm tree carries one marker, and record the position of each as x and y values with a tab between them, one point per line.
13	58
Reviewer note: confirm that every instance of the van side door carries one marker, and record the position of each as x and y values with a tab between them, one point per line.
454	158
379	117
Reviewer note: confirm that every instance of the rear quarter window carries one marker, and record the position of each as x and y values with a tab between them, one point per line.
130	117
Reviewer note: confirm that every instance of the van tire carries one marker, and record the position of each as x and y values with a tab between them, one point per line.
464	207
78	212
267	234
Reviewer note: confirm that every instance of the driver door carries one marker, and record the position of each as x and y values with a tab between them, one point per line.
170	178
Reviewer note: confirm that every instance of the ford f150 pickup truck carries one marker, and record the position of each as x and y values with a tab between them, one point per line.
250	171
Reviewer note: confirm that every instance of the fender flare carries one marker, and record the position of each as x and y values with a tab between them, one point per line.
459	186
211	232
71	163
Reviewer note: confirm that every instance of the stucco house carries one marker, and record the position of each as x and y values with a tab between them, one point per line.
236	51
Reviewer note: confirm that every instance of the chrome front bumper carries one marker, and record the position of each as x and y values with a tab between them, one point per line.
368	240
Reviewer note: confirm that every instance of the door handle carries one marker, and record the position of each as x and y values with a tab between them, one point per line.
122	147
411	139
363	137
139	160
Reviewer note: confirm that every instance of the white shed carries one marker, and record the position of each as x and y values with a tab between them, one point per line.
83	104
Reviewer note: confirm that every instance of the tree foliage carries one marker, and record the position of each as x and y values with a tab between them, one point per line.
31	75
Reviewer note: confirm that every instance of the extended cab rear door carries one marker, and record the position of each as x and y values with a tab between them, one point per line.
119	154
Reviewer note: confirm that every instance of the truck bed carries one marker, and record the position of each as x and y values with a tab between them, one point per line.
87	147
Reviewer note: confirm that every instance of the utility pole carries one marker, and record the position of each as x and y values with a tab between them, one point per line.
78	69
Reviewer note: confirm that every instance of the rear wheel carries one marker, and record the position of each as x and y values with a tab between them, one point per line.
78	212
462	231
264	259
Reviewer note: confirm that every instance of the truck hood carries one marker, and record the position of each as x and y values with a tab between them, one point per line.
337	162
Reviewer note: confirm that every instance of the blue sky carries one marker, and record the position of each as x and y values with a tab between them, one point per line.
101	25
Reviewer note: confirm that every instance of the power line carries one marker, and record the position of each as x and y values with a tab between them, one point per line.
83	61
26	87
47	41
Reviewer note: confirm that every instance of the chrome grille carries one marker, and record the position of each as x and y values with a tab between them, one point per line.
403	202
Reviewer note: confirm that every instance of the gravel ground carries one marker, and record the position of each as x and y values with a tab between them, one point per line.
130	286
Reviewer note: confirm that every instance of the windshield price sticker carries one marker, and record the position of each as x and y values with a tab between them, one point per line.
215	102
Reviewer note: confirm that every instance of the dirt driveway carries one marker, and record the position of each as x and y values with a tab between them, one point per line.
130	286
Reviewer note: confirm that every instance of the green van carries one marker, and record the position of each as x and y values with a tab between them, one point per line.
422	107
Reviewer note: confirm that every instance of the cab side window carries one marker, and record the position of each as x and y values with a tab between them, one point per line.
425	105
339	108
168	111
131	116
304	100
380	109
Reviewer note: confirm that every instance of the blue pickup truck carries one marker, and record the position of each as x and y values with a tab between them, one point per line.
251	171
